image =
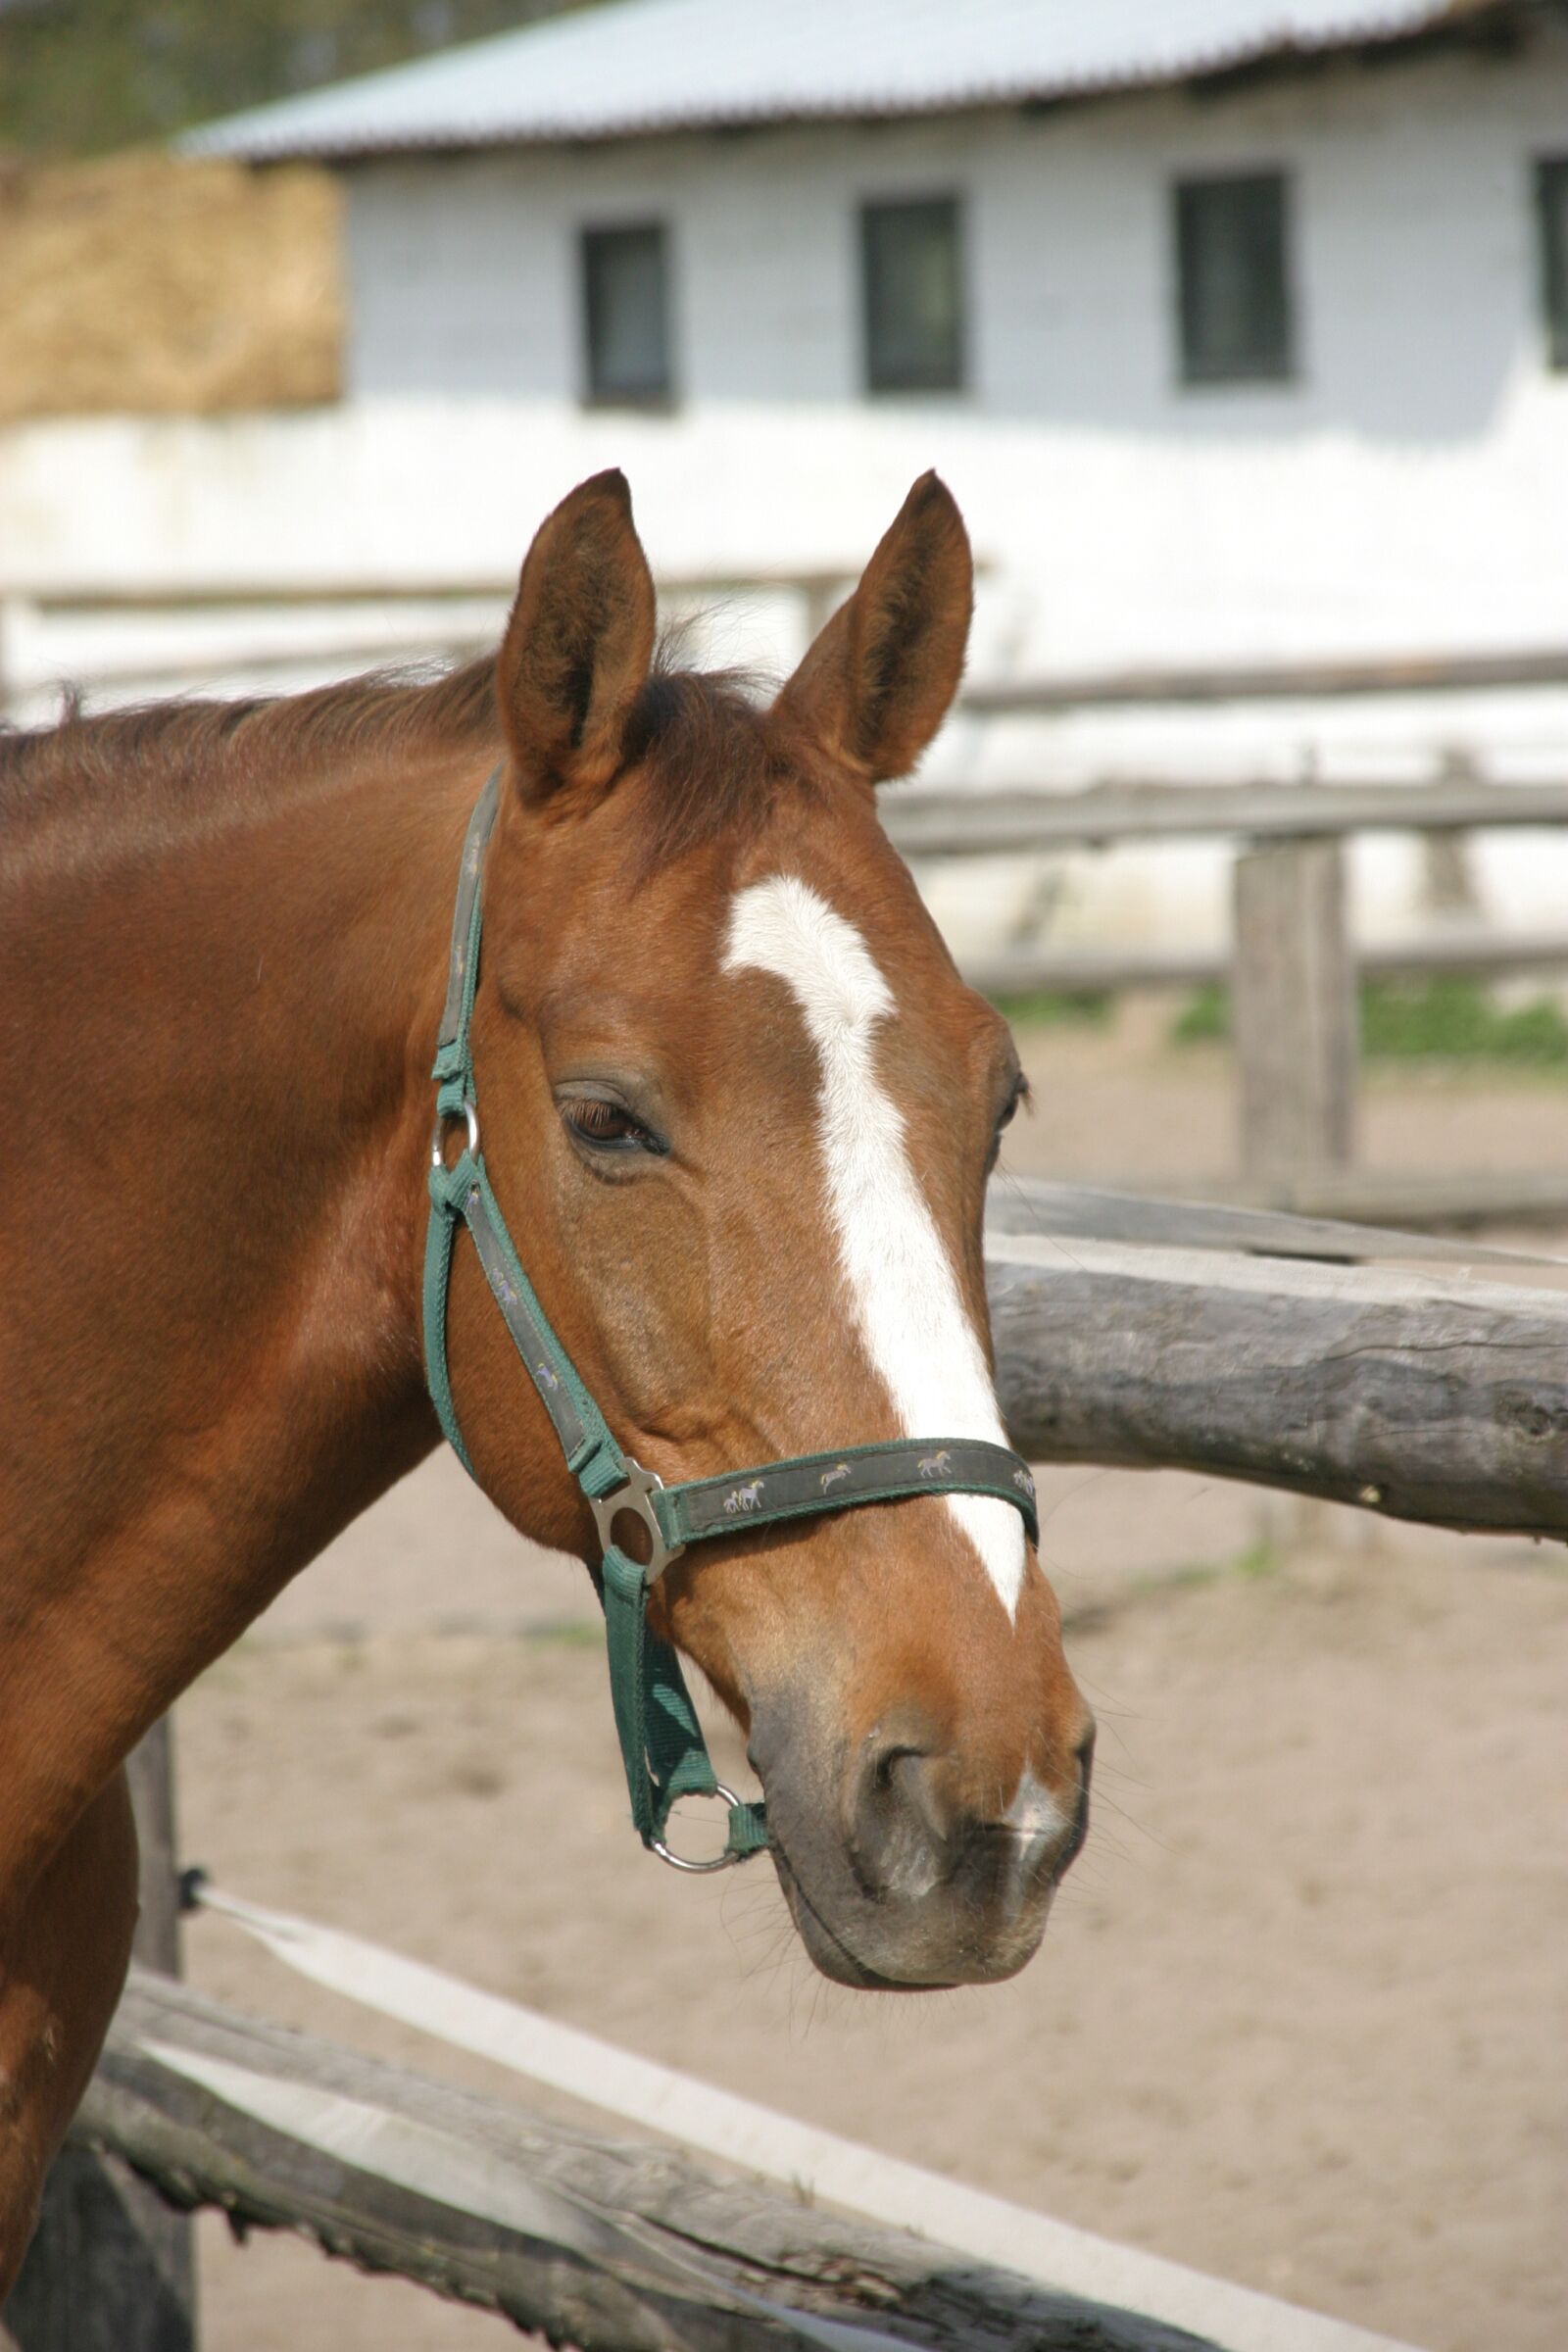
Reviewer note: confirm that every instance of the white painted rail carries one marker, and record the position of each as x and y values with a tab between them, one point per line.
818	2163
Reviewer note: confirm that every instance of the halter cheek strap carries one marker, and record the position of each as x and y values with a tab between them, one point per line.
661	1740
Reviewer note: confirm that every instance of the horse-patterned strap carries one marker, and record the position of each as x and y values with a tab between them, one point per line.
807	1485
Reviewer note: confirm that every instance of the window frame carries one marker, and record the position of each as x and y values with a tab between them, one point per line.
1551	189
1279	366
875	384
595	236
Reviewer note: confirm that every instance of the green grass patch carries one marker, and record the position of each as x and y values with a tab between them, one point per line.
1459	1021
1206	1018
1443	1019
1056	1009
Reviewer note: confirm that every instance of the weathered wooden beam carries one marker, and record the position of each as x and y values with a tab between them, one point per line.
1448	1197
1096	971
85	598
927	824
1431	1397
150	1770
1274	681
1040	1204
610	2245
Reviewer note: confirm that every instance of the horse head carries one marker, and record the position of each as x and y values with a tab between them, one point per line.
741	1110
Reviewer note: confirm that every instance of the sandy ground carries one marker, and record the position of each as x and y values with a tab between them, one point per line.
1300	2015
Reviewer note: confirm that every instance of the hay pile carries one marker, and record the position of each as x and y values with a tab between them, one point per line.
147	284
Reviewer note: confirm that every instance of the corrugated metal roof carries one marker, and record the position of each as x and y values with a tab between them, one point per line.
638	66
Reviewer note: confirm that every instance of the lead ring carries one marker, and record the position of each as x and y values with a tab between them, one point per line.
720	1861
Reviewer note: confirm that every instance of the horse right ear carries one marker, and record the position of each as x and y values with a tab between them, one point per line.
877	685
578	644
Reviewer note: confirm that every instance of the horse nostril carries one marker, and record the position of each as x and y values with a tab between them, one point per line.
1083	1752
899	1821
912	1830
1072	1847
914	1778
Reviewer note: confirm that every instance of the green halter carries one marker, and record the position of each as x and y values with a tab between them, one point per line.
661	1740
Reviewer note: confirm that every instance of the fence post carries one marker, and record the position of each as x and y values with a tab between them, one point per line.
1449	883
1293	998
112	2268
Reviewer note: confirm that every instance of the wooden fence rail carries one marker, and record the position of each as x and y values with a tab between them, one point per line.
1435	1398
1001	821
1290	1352
614	2245
1273	681
181	636
1293	967
1103	972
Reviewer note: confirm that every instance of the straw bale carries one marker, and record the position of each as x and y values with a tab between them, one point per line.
147	284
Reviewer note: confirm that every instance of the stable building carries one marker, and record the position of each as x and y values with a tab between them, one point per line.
1240	326
1025	206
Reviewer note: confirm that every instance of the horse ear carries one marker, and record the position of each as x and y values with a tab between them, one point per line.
579	643
877	685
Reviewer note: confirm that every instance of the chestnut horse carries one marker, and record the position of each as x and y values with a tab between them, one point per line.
741	1111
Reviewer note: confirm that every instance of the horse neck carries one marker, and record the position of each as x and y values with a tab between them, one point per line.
210	1269
321	934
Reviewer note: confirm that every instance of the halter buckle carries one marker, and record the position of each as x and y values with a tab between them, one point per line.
635	1496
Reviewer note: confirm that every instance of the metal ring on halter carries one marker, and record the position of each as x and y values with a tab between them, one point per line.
438	1158
720	1861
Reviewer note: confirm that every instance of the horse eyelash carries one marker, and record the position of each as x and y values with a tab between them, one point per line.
583	1111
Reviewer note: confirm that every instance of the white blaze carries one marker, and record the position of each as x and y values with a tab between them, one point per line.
906	1297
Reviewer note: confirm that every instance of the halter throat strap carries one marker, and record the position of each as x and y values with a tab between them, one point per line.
661	1740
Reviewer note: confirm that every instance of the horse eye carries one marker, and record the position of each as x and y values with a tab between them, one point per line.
1004	1118
606	1126
1009	1109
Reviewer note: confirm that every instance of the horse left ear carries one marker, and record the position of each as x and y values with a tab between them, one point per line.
878	682
579	642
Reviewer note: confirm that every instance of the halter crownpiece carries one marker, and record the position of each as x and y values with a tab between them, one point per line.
662	1742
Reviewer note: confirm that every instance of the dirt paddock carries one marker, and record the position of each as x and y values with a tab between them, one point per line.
1300	2015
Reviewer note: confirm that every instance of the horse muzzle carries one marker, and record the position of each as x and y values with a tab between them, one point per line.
897	1877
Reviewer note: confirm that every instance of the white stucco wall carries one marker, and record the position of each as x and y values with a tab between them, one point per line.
1409	492
1412	488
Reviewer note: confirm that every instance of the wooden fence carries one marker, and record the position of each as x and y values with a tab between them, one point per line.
612	2245
1292	1352
386	616
1302	1355
1508	669
189	635
1199	1344
1293	968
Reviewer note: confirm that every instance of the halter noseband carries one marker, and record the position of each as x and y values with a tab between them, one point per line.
661	1740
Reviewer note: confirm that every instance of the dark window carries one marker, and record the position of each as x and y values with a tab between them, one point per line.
912	283
1551	202
1233	279
625	279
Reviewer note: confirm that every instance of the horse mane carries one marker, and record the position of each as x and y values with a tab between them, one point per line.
703	736
156	756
